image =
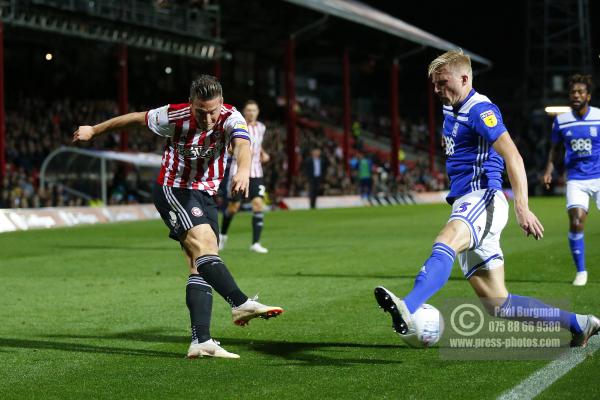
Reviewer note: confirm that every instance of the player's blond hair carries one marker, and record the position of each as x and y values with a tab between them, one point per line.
455	59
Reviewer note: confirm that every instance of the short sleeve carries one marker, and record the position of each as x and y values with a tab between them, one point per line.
487	121
235	127
556	134
157	121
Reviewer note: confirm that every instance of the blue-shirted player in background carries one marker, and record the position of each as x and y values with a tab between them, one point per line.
578	131
477	146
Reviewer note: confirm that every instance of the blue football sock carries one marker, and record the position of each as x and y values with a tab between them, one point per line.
577	250
433	276
523	308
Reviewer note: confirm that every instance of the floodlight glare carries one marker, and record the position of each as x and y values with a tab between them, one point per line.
557	109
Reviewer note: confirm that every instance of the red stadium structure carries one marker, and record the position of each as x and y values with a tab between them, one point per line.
139	27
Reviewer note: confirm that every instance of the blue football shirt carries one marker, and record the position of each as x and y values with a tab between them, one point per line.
470	129
582	143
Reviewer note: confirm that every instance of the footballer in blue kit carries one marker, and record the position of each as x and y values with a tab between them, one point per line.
577	131
478	147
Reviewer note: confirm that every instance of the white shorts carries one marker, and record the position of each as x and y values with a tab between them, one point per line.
579	193
485	212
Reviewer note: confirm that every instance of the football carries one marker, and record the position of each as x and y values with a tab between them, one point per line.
429	326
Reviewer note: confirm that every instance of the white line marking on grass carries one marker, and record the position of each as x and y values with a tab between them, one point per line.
540	380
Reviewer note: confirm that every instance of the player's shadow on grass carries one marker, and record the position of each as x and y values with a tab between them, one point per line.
409	277
297	353
82	348
354	276
307	353
112	247
565	281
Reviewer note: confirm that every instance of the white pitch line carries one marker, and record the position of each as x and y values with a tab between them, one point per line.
540	380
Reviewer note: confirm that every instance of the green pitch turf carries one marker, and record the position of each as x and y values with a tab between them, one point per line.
99	312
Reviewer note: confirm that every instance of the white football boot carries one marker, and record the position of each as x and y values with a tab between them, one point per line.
222	241
401	318
252	309
591	328
210	348
580	279
257	248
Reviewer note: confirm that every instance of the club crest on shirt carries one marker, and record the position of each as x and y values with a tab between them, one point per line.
593	131
196	212
489	118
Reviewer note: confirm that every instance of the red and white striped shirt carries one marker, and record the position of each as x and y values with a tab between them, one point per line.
194	159
257	135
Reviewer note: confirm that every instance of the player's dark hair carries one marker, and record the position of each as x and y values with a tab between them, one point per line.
584	79
205	87
251	102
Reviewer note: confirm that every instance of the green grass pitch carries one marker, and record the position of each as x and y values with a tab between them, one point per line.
98	312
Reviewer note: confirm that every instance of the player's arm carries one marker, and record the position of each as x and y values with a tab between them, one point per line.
549	166
243	156
530	224
555	139
264	156
131	120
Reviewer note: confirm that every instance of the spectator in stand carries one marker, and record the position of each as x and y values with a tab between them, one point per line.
315	168
365	176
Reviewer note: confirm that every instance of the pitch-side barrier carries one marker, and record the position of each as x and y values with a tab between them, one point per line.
302	203
23	219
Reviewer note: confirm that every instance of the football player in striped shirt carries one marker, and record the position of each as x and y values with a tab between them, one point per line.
478	146
256	129
578	131
197	134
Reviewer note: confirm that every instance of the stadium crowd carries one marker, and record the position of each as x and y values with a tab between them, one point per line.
39	127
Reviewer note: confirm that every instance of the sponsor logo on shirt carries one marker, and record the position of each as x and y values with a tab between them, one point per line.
198	151
489	118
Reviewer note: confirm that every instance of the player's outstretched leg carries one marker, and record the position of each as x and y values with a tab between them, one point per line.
215	273
401	318
252	309
590	328
198	298
582	327
433	275
489	286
